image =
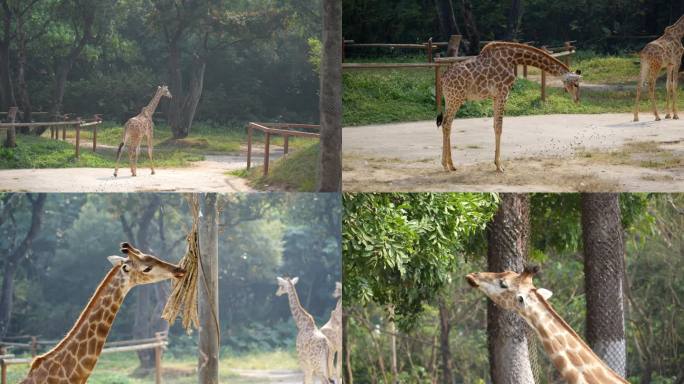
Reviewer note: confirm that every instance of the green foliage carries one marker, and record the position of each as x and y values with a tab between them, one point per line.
315	54
400	249
296	172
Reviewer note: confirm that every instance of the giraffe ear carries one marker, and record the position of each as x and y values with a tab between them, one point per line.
280	280
545	293
295	280
116	260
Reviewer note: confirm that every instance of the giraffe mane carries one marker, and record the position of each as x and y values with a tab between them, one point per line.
81	318
506	44
569	329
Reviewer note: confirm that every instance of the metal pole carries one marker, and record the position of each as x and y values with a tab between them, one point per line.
208	291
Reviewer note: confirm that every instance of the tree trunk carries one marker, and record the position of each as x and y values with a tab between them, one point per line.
514	18
444	328
508	237
182	113
604	268
22	64
11	140
13	259
346	351
470	27
208	305
393	345
330	103
447	19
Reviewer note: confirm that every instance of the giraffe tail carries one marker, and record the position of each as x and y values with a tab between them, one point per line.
440	119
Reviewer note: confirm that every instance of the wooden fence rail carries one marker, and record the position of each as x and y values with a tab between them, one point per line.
283	129
158	343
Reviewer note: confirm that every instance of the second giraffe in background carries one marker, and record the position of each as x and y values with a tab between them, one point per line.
333	331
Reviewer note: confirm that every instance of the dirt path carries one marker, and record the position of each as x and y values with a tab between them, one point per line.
208	175
272	376
603	152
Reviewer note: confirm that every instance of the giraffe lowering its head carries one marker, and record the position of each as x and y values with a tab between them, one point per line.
74	357
491	75
138	127
575	361
664	52
333	331
314	350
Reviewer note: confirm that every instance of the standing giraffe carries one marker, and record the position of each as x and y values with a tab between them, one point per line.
333	331
314	350
73	359
491	75
575	361
138	126
665	52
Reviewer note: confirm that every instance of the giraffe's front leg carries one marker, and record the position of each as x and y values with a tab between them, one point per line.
149	151
131	158
675	85
668	92
499	105
451	109
651	94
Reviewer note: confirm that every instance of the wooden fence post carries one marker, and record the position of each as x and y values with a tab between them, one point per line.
429	50
157	359
34	346
78	138
3	368
525	71
267	150
286	143
208	294
249	146
543	86
438	88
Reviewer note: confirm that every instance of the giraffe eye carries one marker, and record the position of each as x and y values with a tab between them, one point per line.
147	269
502	284
520	299
125	267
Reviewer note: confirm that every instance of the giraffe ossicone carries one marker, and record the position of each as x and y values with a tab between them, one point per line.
571	356
314	350
491	75
73	359
138	127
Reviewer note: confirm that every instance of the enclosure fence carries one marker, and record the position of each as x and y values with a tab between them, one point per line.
33	345
286	130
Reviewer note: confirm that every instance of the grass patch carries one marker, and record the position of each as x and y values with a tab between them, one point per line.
39	152
297	171
118	368
408	94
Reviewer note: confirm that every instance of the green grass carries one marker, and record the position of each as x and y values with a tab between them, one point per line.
118	368
297	171
386	96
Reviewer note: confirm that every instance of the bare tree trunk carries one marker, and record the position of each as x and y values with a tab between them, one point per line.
184	101
393	345
604	268
22	64
470	27
346	350
208	291
508	236
444	328
330	156
11	140
447	19
514	18
12	261
6	90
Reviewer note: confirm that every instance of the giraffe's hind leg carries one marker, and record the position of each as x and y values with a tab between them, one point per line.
668	91
133	150
149	151
675	85
118	153
452	106
652	77
499	105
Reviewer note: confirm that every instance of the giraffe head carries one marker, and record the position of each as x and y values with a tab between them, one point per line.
164	90
510	290
571	83
285	284
139	268
338	290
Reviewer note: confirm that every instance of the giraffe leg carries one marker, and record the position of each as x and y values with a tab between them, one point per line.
149	151
668	91
499	105
653	75
675	85
118	153
131	157
308	376
640	84
450	113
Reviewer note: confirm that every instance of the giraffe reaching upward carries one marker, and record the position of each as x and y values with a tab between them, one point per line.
74	357
314	350
491	75
664	52
138	127
333	331
575	361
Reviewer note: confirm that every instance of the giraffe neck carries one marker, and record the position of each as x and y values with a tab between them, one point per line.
301	317
149	109
75	356
336	317
575	361
676	30
519	54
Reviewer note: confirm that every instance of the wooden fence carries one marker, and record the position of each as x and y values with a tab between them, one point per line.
55	126
158	343
563	53
283	129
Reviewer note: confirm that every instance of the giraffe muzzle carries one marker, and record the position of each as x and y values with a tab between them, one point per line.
178	273
472	281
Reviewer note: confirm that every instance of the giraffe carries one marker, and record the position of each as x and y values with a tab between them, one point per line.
664	52
314	350
491	75
333	331
575	361
73	359
138	126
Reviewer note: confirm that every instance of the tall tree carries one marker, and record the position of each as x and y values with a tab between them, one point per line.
330	157
515	13
604	270
444	328
508	237
14	256
470	28
447	18
6	89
